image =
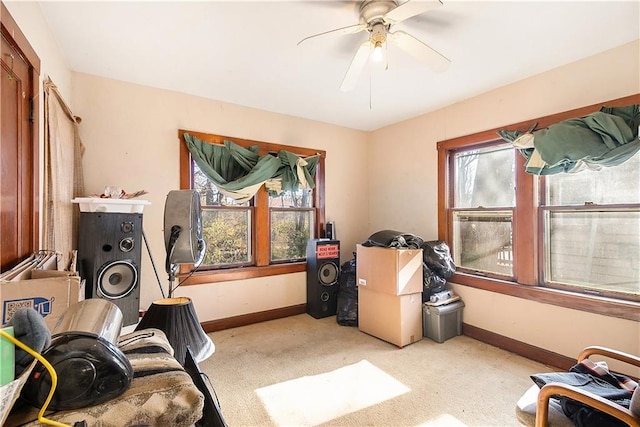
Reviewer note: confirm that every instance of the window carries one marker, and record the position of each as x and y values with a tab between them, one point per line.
484	199
538	237
592	230
264	236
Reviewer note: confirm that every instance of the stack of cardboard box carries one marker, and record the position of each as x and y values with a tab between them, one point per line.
39	285
390	283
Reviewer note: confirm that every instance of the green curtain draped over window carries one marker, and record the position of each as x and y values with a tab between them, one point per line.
604	138
296	172
239	172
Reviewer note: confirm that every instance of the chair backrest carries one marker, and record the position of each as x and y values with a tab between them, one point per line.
634	407
211	414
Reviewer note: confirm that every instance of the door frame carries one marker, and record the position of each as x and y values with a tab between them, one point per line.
16	38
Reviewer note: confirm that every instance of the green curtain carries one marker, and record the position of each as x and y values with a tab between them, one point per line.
239	172
604	138
295	171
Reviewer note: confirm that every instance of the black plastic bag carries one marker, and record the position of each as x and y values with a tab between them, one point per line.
347	309
437	257
394	239
432	283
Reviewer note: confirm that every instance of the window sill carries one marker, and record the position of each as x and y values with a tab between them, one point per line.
593	304
242	273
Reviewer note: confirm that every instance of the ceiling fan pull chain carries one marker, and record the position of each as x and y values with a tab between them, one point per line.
370	86
386	56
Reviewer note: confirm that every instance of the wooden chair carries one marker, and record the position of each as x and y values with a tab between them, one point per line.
535	408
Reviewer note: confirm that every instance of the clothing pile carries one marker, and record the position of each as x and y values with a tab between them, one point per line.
597	379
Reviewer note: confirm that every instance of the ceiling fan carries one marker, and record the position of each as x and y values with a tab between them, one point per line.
378	17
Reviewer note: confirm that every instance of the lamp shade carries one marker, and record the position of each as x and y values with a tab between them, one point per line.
177	318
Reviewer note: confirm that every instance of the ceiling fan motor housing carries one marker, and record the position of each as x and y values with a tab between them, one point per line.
378	34
372	13
374	10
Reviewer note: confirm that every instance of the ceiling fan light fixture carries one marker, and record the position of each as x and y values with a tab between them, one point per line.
378	53
378	38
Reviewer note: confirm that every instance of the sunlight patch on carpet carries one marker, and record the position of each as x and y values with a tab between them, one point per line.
444	420
316	399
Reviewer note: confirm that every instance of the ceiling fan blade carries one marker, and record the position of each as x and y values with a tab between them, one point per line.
351	29
410	9
357	64
419	50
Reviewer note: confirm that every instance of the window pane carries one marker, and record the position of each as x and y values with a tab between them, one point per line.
618	184
485	178
290	231
303	198
228	236
597	250
483	241
209	193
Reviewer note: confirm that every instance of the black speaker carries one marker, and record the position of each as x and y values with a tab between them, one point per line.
109	254
323	272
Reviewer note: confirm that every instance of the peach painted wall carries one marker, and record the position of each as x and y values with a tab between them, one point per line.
405	198
131	137
123	124
32	23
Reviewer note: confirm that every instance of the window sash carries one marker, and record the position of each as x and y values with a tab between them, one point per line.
222	249
605	263
484	177
483	241
287	200
300	244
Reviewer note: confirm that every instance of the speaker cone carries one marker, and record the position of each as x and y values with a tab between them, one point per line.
328	274
117	279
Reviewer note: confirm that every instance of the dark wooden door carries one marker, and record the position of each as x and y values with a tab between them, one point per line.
18	147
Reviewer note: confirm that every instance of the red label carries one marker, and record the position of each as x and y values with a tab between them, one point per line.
327	251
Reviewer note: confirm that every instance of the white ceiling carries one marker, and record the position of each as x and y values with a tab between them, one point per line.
245	52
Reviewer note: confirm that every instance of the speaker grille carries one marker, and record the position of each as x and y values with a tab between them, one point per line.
328	274
117	279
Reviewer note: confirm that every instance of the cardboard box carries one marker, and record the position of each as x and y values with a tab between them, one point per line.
389	270
49	296
393	318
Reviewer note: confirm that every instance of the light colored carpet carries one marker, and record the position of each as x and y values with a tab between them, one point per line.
301	371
